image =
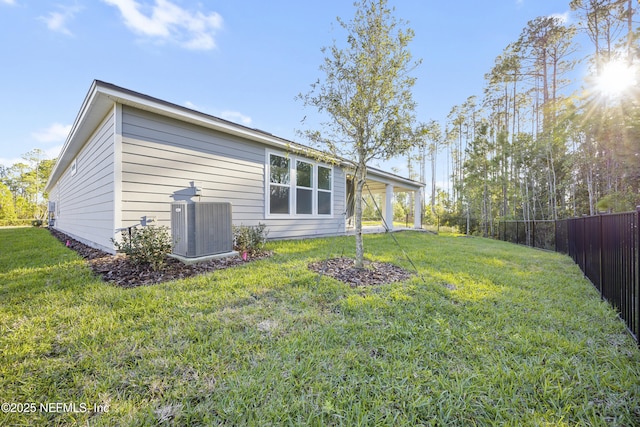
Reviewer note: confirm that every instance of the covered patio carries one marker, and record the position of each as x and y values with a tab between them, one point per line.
386	186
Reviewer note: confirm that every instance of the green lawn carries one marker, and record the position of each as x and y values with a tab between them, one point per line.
489	334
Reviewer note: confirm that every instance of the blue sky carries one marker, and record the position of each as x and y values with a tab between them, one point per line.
242	60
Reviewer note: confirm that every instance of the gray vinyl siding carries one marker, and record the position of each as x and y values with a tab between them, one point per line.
285	228
85	200
161	156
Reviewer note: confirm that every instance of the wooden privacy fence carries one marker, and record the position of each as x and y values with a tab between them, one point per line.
605	247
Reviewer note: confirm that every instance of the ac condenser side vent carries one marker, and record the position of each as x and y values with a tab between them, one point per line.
201	228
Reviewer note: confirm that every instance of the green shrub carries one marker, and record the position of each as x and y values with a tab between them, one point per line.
249	239
36	223
148	245
618	202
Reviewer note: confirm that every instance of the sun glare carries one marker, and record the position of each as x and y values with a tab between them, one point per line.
616	77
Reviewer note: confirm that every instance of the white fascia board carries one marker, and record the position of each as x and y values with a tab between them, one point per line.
395	180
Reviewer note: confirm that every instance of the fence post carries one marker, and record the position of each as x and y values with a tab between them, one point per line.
584	244
635	298
600	251
532	237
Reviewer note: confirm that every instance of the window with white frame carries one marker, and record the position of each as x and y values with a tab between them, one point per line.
279	184
304	188
324	191
309	193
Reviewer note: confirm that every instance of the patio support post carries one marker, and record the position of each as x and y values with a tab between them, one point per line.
388	206
417	215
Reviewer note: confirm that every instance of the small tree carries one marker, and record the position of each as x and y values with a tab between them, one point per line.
367	95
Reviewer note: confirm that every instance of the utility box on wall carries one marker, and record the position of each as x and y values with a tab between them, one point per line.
201	228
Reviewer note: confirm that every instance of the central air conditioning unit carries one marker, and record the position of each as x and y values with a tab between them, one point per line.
201	228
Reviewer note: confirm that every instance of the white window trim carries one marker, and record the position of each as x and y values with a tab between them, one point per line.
317	189
295	187
293	159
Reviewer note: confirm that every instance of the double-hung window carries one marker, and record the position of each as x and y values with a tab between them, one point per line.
324	191
298	186
304	188
279	184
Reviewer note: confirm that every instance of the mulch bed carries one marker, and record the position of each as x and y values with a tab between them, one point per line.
373	273
120	271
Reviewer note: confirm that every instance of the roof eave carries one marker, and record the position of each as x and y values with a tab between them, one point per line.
102	97
74	142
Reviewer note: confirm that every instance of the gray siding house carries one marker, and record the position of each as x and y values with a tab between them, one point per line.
130	155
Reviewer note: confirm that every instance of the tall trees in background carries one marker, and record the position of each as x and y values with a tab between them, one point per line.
546	46
536	146
609	123
429	142
22	187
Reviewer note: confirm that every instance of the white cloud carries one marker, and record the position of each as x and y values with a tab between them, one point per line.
57	21
164	21
191	105
55	133
53	152
49	153
234	116
10	162
562	17
9	2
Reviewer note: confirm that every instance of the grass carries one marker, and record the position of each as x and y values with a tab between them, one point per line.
403	224
488	334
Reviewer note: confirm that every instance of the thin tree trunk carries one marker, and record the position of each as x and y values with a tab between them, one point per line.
630	32
592	203
433	181
361	174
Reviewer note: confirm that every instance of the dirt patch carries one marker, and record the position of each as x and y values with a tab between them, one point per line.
120	271
373	273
